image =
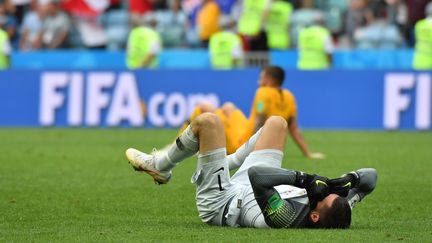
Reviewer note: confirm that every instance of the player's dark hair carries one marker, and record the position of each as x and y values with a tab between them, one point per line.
336	216
276	73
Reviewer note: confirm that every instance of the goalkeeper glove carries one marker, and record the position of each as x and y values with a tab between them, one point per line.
315	185
343	184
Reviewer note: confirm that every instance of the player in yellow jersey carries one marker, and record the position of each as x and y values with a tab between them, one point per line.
270	100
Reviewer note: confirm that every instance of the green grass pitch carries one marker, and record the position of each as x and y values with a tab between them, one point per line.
75	185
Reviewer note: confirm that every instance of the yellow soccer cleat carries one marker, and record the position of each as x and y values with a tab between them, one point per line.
146	163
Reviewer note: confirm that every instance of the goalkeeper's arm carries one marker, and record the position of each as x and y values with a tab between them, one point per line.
355	185
277	212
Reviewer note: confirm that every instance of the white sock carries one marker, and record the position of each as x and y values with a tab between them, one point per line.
185	146
236	159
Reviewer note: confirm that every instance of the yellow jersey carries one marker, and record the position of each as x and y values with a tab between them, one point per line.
270	101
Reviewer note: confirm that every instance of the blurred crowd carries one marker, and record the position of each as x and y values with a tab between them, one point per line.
51	24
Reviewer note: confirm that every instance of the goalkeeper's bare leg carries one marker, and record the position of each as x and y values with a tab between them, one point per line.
204	134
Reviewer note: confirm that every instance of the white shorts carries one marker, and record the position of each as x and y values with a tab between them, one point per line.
215	189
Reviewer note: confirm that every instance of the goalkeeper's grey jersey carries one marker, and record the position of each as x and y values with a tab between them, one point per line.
252	216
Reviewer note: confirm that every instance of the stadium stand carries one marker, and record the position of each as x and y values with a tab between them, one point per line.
354	24
115	23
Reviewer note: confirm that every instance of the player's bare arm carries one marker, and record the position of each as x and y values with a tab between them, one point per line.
299	140
259	122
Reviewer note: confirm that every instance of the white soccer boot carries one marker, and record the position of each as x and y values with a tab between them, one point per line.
160	152
146	163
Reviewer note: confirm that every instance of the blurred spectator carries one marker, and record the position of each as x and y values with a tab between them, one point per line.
208	21
334	11
85	15
423	46
277	26
5	47
140	7
297	3
302	17
91	32
9	21
315	47
10	7
226	5
228	20
85	7
31	28
21	7
143	47
115	5
191	7
225	47
137	10
55	25
397	12
250	24
380	33
172	24
358	15
262	25
159	5
416	12
115	23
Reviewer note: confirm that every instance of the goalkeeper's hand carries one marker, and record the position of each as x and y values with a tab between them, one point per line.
317	190
316	186
343	184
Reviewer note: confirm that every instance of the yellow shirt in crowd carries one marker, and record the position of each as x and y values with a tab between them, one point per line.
208	20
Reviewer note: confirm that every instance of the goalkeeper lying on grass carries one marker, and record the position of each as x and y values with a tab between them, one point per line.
260	194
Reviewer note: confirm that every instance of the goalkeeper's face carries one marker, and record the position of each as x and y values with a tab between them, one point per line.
322	207
326	203
332	212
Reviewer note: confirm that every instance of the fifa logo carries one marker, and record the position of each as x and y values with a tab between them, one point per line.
404	91
111	99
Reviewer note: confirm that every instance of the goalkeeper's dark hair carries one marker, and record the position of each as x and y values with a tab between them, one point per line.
336	216
276	73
